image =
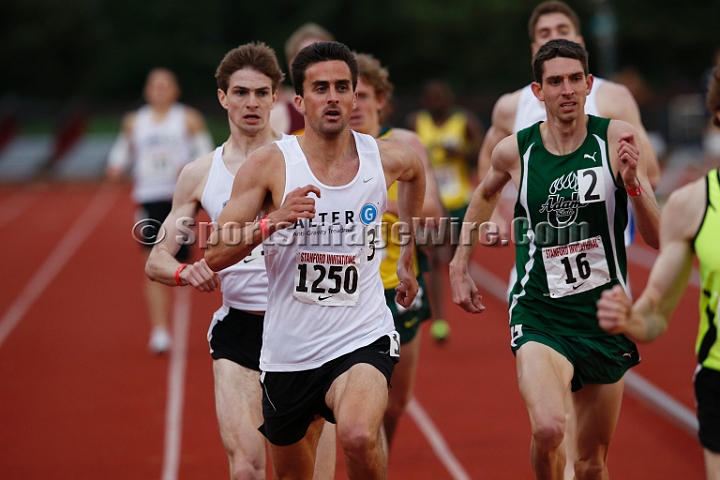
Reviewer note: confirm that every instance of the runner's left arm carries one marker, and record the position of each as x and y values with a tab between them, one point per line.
629	161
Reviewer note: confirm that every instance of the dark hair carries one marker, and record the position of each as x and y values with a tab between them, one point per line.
322	52
257	56
713	95
558	48
552	6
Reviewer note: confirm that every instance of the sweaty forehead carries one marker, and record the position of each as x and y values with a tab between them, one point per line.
328	71
562	67
248	77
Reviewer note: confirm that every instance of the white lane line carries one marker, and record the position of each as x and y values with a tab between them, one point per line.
176	384
645	257
636	385
99	206
437	442
650	395
15	205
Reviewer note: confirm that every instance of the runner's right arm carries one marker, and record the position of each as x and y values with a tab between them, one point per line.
649	317
161	265
505	159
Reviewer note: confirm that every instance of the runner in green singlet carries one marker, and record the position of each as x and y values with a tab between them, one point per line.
574	175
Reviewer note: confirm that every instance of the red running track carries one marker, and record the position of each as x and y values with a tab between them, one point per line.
80	397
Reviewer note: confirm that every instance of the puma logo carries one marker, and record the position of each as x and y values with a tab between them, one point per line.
591	156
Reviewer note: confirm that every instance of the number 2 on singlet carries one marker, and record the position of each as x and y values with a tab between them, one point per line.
591	185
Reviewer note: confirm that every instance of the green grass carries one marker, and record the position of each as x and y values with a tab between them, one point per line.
218	128
105	124
110	124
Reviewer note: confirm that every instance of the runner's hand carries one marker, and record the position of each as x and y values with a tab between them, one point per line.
408	287
464	291
297	205
200	276
614	309
628	155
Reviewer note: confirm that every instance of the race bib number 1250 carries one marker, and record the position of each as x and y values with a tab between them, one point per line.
327	279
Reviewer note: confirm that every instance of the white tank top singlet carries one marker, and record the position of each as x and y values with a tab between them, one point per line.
326	298
244	285
161	151
530	110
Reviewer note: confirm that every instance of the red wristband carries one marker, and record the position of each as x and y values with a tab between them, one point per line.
264	228
177	274
634	192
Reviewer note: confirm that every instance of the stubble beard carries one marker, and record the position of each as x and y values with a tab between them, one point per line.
329	130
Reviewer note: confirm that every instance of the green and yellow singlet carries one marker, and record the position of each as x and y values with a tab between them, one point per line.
706	246
391	252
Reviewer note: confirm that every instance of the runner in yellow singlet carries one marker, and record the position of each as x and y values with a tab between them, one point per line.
452	136
690	224
374	90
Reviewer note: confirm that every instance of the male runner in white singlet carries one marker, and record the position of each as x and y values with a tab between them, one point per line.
248	78
158	140
329	343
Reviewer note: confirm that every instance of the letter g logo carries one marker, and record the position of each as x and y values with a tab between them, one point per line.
368	213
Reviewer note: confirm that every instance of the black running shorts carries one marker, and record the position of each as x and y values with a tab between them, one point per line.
237	337
292	399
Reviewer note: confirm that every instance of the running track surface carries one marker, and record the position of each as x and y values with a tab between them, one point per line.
80	397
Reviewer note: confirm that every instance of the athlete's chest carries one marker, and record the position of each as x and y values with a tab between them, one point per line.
559	189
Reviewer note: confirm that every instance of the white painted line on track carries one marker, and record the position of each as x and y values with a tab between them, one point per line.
636	385
647	393
99	206
15	205
436	440
176	384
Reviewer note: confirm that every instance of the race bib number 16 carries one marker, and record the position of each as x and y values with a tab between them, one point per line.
576	267
327	279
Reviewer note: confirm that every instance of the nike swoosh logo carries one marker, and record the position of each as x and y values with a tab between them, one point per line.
367	180
321	298
575	287
410	323
249	259
627	355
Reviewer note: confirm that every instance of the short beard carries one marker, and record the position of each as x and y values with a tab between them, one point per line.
329	130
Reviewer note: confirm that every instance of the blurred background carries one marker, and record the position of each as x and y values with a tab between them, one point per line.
70	68
88	397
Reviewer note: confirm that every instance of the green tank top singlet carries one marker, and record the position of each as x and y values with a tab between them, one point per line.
706	246
568	230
